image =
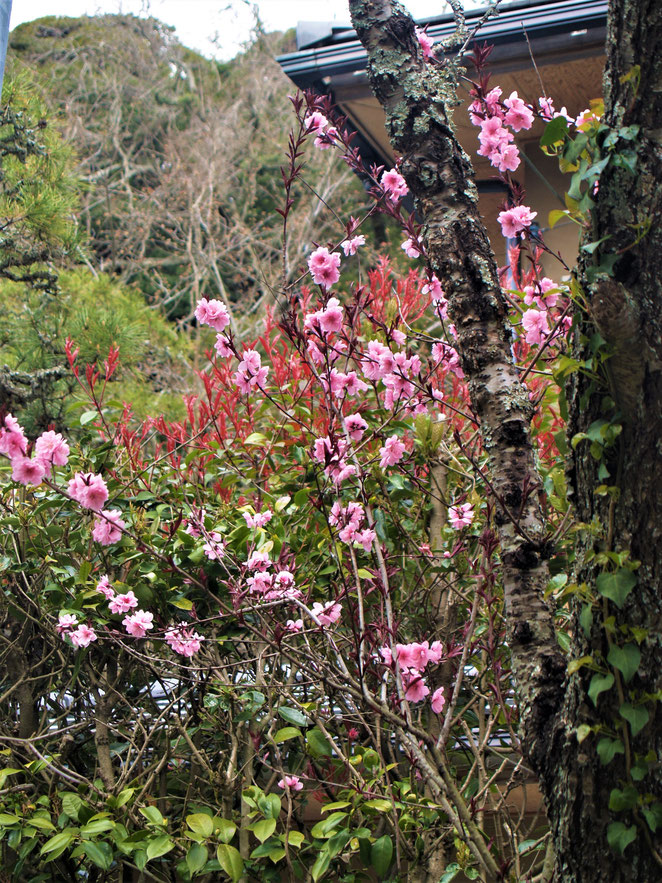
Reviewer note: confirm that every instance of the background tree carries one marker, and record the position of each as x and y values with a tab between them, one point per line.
615	606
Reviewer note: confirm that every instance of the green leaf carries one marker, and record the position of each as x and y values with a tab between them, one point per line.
152	815
264	829
608	748
100	854
586	619
653	816
224	829
575	664
599	683
295	838
56	845
201	823
626	659
555	131
381	854
616	586
256	438
88	416
321	865
379	804
318	744
196	858
159	846
583	732
555	216
231	861
622	800
450	873
620	836
98	826
286	733
293	716
124	797
71	804
636	717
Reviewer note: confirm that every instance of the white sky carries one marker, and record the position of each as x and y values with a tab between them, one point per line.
213	27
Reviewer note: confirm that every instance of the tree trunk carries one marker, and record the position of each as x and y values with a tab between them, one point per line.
624	307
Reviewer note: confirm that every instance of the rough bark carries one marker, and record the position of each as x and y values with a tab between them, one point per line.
624	308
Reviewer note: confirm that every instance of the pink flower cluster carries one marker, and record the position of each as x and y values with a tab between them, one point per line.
396	371
108	527
250	373
341	384
139	622
290	783
183	640
332	453
351	246
88	489
493	117
212	313
259	519
443	352
461	515
325	268
269	586
514	220
214	548
394	185
50	450
544	293
412	660
391	452
327	613
325	133
534	322
349	519
80	634
426	43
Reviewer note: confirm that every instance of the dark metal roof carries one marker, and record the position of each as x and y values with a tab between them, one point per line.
552	24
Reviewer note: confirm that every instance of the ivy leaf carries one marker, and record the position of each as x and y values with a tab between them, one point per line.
620	836
599	683
616	586
622	800
608	748
318	743
653	815
636	717
626	659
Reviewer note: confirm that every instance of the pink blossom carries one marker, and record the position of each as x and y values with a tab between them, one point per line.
438	700
331	317
426	42
410	248
519	115
250	372
259	519
105	589
259	561
83	636
326	139
492	102
27	471
516	219
183	640
351	246
535	324
291	783
214	548
539	293
260	583
415	687
493	136
433	288
222	346
366	538
506	159
138	624
355	426
394	184
123	603
327	613
324	267
461	516
108	530
315	122
66	621
352	733
213	313
13	442
89	490
391	452
294	625
51	448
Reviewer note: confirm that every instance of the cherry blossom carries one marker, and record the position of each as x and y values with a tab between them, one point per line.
51	449
27	471
515	219
394	184
108	527
213	313
123	603
327	613
324	267
291	783
89	490
535	324
83	636
461	515
391	452
138	624
426	42
438	700
351	246
410	248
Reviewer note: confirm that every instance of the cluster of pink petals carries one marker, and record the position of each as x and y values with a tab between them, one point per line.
331	453
291	783
394	185
351	246
316	123
139	623
81	635
214	548
327	613
108	527
13	442
50	449
438	700
547	111
515	219
355	426
213	313
395	370
341	384
183	640
123	603
535	324
294	625
324	267
267	585
250	372
443	352
349	519
27	471
259	519
391	452
88	489
104	588
222	346
496	120
326	321
544	293
426	42
413	659
461	515
411	248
